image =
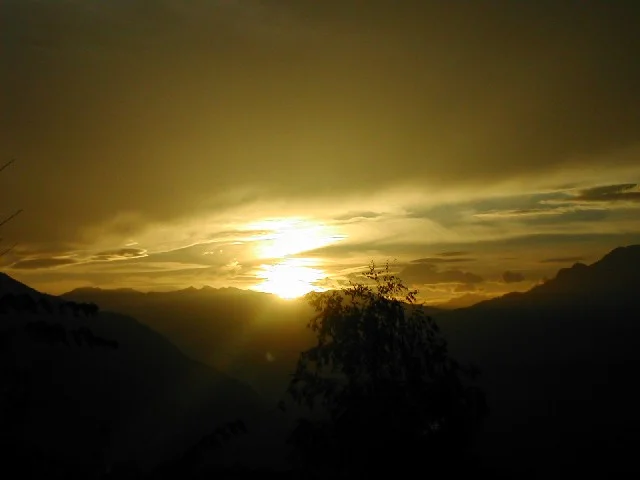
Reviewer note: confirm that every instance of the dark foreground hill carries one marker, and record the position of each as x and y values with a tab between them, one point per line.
560	365
84	391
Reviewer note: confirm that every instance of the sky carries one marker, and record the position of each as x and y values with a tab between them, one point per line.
476	146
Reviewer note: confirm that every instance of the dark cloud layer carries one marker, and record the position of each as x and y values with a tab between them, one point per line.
42	263
465	287
119	254
357	215
52	262
424	274
610	193
512	277
562	260
443	260
111	105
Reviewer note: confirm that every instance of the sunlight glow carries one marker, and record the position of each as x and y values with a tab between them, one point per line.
281	238
291	236
290	278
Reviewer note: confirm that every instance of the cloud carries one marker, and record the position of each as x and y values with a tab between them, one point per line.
465	287
424	273
357	215
521	213
610	193
368	122
562	260
119	254
303	91
42	263
512	277
443	260
562	207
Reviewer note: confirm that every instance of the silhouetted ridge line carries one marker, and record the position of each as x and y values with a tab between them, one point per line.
65	365
615	276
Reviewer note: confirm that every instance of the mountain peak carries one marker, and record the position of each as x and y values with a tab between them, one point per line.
621	257
86	290
610	280
614	272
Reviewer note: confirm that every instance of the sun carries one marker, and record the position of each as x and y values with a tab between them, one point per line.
290	278
281	240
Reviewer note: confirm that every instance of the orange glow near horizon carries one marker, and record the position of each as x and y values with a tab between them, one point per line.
290	278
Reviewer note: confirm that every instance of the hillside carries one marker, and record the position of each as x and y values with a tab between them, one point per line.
558	363
83	388
252	336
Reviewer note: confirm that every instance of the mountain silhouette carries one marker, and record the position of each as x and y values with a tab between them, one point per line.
9	285
611	280
558	364
557	361
463	301
101	389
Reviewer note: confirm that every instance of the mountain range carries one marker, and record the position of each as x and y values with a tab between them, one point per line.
557	361
82	387
252	336
558	366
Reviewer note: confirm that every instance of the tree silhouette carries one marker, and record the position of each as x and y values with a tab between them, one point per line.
390	396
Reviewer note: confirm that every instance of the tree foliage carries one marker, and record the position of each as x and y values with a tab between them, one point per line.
381	373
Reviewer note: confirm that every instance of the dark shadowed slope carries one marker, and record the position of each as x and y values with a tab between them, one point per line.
87	389
255	337
559	364
9	285
464	301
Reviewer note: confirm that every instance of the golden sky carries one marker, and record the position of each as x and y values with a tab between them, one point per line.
161	144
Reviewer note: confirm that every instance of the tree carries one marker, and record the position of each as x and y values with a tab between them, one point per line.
390	395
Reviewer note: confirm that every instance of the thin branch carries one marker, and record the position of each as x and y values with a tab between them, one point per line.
10	217
7	164
7	250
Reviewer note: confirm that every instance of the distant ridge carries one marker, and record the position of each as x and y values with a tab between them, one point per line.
466	300
133	291
559	364
613	279
85	373
232	329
